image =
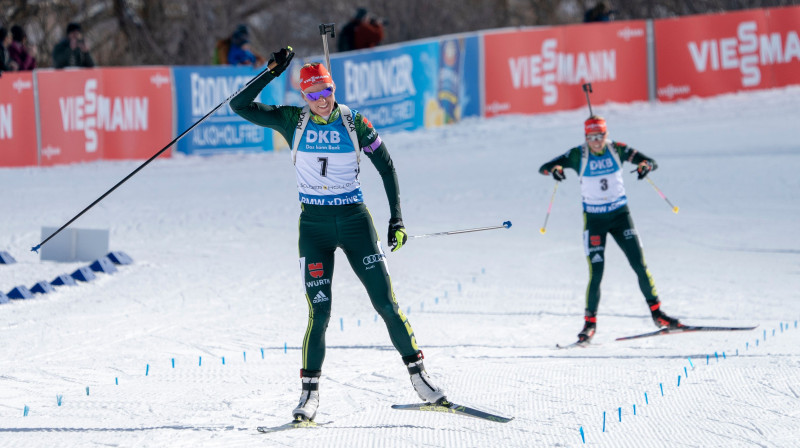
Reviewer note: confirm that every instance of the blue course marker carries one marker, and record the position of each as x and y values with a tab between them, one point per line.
147	370
87	390
685	372
583	438
619	411
244	356
661	385
634	409
25	411
604	421
285	348
58	399
173	363
646	401
262	352
116	380
223	360
690	362
200	361
679	381
341	323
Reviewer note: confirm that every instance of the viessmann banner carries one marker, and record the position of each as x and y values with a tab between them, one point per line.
17	120
108	113
542	70
200	89
713	54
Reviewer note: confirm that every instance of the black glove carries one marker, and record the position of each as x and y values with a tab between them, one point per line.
280	60
558	173
643	168
397	234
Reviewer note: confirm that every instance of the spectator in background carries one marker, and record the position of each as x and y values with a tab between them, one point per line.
369	32
601	12
5	41
236	50
72	50
21	56
344	42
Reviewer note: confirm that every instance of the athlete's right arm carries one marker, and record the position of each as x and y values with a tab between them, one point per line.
570	159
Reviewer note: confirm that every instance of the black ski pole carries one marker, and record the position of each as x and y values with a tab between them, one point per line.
588	89
175	140
324	30
506	225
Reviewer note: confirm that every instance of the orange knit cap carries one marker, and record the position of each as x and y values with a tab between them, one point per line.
595	125
314	73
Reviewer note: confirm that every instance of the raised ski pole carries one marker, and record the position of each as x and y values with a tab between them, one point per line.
175	140
550	207
506	225
324	29
674	207
587	88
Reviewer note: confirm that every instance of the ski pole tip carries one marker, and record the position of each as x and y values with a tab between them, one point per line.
507	224
542	230
675	209
36	248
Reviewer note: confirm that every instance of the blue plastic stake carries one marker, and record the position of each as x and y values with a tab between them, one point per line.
781	327
679	381
262	352
619	410
173	363
87	390
646	401
285	348
223	360
634	409
483	270
58	399
716	356
341	323
376	318
723	356
459	284
244	356
773	332
358	323
690	362
765	335
604	421
737	352
795	324
25	411
147	370
756	342
661	385
685	372
583	438
436	300
200	361
116	380
707	358
746	345
408	311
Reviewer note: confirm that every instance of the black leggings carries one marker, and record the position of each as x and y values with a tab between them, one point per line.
350	227
620	225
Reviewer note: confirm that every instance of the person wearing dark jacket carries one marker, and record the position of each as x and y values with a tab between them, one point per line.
21	56
5	41
328	141
598	163
72	51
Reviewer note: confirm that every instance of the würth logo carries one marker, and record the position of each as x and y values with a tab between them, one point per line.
315	269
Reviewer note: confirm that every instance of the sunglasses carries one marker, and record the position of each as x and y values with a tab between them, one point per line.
596	137
314	96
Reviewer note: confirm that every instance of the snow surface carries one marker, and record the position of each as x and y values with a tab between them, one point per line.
214	244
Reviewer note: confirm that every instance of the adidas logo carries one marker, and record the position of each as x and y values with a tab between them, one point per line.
320	297
597	258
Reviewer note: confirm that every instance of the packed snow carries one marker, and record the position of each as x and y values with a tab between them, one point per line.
214	244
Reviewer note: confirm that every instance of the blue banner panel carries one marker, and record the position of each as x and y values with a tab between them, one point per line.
198	90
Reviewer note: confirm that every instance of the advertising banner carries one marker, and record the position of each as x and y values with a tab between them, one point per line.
109	113
17	120
542	70
720	53
200	89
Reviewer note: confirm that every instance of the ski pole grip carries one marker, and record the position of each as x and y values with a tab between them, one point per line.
324	28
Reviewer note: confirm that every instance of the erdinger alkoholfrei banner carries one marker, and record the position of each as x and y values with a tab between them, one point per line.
411	86
200	89
542	70
713	54
104	113
17	120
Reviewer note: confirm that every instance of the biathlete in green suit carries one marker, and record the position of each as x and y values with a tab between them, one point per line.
598	163
328	141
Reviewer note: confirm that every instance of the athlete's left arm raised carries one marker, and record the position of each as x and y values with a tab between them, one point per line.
372	145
